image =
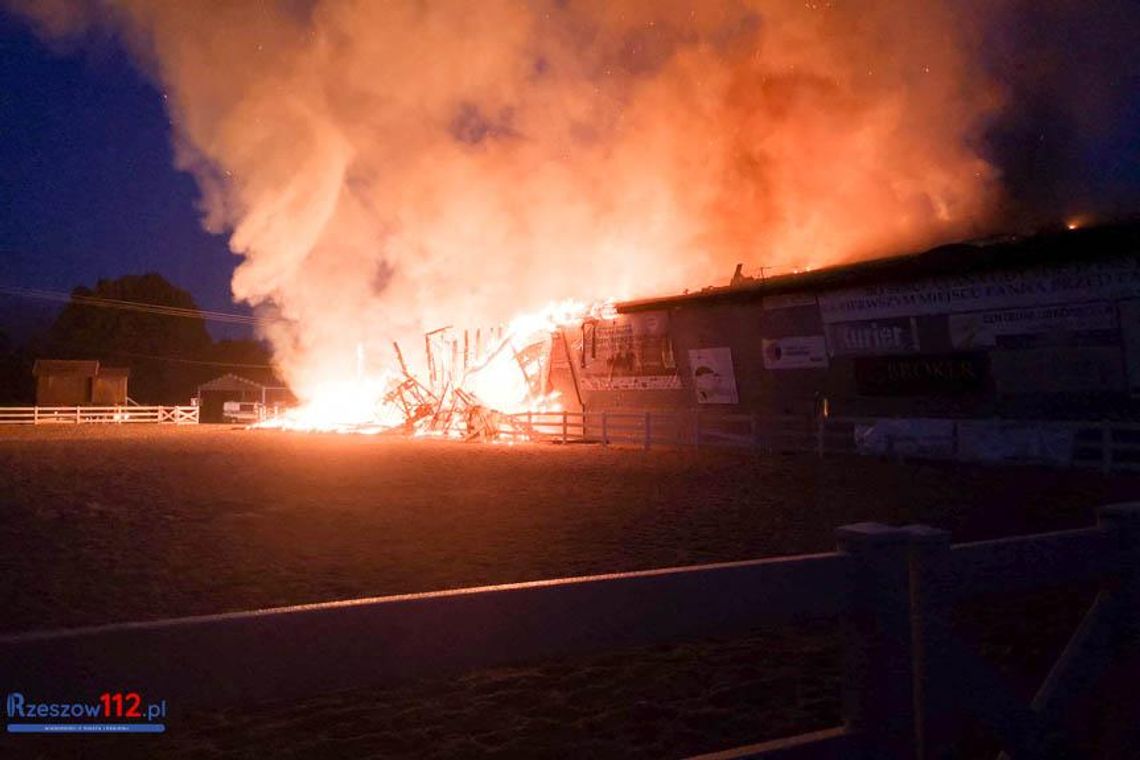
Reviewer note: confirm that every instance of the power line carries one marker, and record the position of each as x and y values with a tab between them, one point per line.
135	306
180	360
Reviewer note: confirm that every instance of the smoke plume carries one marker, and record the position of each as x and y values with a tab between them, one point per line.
389	167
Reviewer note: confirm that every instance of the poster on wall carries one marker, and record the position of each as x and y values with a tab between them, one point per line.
713	377
795	352
630	352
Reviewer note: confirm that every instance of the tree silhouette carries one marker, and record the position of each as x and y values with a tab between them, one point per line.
16	386
148	343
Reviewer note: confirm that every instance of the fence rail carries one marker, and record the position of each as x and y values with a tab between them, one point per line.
906	678
1105	445
83	415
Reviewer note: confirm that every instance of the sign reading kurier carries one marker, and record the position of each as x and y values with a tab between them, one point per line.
873	337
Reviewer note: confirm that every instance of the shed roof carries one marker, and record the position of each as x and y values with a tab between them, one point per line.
80	367
232	382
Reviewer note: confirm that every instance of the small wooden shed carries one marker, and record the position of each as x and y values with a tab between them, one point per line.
79	382
244	397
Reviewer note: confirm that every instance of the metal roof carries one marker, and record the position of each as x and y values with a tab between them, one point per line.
947	260
81	367
232	382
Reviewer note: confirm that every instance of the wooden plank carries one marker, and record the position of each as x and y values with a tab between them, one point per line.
1031	562
305	650
836	743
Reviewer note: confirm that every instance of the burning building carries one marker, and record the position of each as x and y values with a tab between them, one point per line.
1046	327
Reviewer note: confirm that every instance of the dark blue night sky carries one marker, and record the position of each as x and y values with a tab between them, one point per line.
88	188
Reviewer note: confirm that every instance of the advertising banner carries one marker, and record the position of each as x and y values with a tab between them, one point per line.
1074	283
906	437
873	337
795	352
713	377
630	352
1130	333
929	375
1053	323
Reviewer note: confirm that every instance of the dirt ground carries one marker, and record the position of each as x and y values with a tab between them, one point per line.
113	524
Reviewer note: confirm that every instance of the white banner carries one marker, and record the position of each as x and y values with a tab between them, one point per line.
795	352
991	290
713	378
982	328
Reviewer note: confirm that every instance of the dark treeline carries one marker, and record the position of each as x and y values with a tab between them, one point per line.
168	356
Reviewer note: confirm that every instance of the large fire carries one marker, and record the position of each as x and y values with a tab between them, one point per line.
470	391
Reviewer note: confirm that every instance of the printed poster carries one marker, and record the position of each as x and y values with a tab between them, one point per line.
713	378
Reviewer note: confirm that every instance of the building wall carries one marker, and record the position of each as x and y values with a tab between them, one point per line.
62	389
109	390
1056	341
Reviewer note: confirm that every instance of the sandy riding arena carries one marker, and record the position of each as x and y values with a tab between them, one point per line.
115	524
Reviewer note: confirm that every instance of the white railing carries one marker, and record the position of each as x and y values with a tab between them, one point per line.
1106	445
83	415
908	678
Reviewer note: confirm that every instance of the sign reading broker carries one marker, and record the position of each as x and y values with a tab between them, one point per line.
112	713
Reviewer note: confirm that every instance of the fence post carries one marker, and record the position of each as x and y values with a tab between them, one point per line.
564	427
605	431
648	429
1124	519
935	697
878	684
35	415
78	416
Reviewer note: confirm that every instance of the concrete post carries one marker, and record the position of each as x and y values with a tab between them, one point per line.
1124	520
878	689
935	694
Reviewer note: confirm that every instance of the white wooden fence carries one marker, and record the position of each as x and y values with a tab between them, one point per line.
907	684
82	415
1105	445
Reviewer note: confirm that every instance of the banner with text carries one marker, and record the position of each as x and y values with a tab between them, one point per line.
795	352
630	352
1053	323
1073	283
